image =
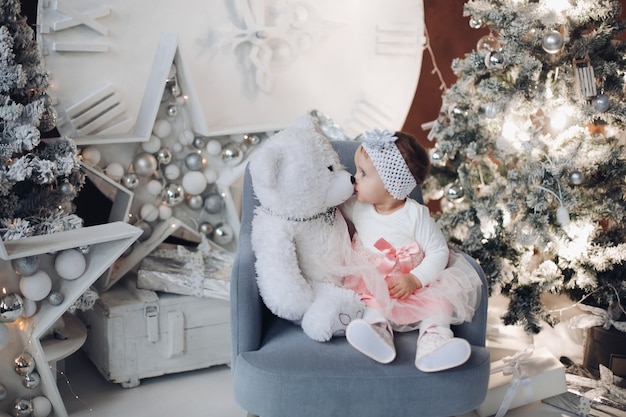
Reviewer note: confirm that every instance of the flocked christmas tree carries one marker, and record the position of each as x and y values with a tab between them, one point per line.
38	178
530	153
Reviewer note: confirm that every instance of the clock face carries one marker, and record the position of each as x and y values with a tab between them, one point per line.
256	65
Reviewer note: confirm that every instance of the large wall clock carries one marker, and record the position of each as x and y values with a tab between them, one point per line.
256	64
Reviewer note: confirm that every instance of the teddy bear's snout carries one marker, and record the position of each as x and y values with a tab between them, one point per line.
352	180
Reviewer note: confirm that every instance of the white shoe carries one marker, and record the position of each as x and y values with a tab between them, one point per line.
436	352
374	340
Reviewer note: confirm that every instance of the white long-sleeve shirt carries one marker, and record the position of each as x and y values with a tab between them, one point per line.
411	223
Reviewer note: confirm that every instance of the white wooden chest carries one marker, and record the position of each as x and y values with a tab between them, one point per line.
135	333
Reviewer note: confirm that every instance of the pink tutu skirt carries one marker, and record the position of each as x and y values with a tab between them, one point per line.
452	296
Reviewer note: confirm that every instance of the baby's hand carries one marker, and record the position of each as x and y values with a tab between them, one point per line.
403	285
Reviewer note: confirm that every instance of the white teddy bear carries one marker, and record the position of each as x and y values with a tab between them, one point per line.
298	235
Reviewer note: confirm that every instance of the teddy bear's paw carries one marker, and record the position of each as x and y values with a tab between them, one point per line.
331	312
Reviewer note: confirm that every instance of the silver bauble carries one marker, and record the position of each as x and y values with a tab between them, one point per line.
252	139
85	249
164	156
232	154
488	43
25	266
491	110
146	231
214	203
455	192
11	308
601	102
56	298
24	364
172	111
576	177
3	392
475	23
198	142
194	202
494	60
67	188
48	119
173	194
552	42
437	158
194	161
144	164
31	380
22	408
223	234
206	229
130	181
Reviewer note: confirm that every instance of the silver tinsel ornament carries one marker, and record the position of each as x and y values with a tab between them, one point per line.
552	42
214	203
25	266
11	308
56	298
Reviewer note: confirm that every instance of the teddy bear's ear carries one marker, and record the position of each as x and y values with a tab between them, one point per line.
265	166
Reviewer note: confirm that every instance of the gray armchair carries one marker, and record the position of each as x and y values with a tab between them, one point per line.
279	372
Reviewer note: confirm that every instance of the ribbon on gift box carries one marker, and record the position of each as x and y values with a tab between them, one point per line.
607	384
598	317
514	365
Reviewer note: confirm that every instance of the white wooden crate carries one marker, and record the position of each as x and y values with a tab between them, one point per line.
135	333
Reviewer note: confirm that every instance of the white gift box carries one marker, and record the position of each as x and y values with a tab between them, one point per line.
525	377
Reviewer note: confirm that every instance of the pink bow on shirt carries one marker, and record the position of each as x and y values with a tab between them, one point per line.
402	257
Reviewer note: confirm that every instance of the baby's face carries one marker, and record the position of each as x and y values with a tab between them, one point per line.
369	188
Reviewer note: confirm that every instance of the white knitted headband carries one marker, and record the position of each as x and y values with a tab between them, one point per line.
392	168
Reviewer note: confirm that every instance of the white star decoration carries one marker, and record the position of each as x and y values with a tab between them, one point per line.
169	101
106	243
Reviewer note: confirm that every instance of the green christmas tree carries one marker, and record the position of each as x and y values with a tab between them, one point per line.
530	161
39	177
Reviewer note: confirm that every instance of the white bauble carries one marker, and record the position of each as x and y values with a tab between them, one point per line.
210	175
162	128
214	147
186	137
154	187
30	307
91	155
41	406
152	145
172	172
37	286
70	264
149	212
114	170
194	182
165	212
4	336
